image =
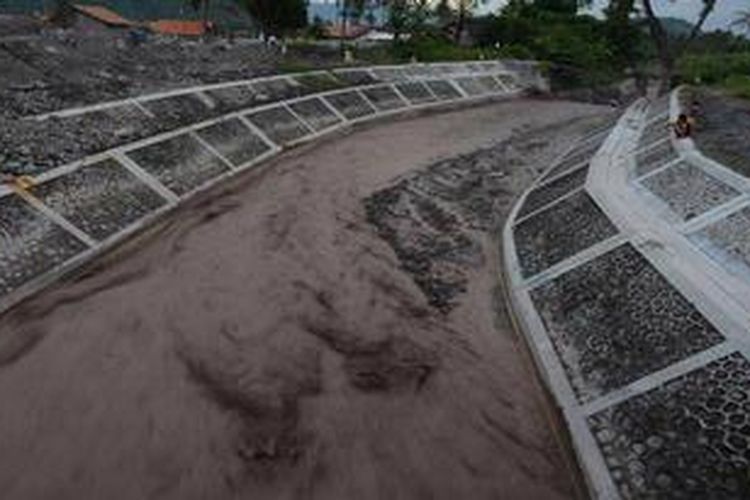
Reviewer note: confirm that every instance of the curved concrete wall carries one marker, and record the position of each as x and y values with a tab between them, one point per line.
150	153
619	272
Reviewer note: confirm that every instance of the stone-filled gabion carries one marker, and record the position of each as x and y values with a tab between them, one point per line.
33	147
549	192
616	319
509	81
415	92
350	104
490	82
181	163
384	98
389	74
730	237
234	141
659	107
356	77
99	199
688	190
234	98
315	113
579	155
278	89
443	90
689	439
281	126
657	130
30	244
179	111
560	231
656	156
472	86
314	83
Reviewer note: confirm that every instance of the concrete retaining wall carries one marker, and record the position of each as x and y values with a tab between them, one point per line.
153	152
636	312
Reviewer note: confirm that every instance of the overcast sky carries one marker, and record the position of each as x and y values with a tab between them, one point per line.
722	16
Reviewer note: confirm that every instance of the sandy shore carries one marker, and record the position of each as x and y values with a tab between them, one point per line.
266	343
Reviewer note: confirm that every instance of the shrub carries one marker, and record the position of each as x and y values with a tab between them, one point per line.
738	85
713	68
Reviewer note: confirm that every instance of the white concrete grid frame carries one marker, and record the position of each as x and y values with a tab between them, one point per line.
120	154
722	299
458	70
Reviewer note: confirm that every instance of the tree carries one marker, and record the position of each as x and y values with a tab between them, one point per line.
350	10
278	17
202	7
565	7
406	16
444	12
743	20
625	39
667	49
62	13
464	8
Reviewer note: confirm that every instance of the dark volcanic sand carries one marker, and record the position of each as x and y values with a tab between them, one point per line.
723	130
266	342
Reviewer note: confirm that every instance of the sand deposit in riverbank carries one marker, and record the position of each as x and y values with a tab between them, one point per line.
266	342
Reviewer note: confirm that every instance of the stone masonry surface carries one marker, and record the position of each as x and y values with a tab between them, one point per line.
688	190
730	237
559	232
689	439
99	199
234	141
315	113
615	319
182	164
651	159
553	190
30	244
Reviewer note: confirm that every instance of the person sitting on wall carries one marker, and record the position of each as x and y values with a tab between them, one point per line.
683	127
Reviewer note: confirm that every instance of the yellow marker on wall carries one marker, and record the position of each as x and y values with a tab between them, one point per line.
24	182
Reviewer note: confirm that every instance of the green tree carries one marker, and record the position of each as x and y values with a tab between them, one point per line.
201	6
444	12
62	13
743	20
668	49
278	17
406	16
